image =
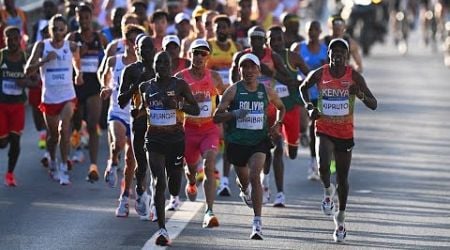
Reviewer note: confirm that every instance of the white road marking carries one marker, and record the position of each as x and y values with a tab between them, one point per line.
177	222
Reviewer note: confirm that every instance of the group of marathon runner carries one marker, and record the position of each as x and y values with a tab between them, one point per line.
177	86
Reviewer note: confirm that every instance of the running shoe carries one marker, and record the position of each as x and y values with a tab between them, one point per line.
246	196
45	159
191	191
153	214
162	238
266	195
142	204
279	200
42	142
75	139
64	174
93	175
340	232
217	177
123	208
210	220
174	203
224	190
256	231
328	207
304	140
111	175
333	167
200	176
10	180
313	171
53	170
78	156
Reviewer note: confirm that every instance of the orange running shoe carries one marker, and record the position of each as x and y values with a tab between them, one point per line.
191	191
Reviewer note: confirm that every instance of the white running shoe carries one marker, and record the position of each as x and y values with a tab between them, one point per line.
246	196
328	207
78	156
46	159
162	239
141	205
224	190
63	174
266	195
279	200
256	231
153	214
340	232
111	175
313	171
53	170
123	208
174	203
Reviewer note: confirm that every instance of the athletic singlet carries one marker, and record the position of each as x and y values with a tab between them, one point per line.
162	120
221	60
290	96
205	86
314	61
240	33
335	104
268	61
108	34
10	92
251	129
114	108
89	67
120	46
56	75
182	63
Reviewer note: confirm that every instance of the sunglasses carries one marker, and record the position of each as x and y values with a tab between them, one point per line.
200	52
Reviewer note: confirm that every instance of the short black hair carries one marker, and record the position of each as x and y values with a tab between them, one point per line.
83	7
57	18
10	29
159	14
221	17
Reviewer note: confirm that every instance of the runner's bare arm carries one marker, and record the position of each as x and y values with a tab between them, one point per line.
76	63
218	83
128	84
281	73
363	92
356	55
234	69
275	100
33	63
299	63
190	105
112	46
106	90
311	79
221	114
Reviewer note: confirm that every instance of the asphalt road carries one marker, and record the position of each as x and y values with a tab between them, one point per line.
399	183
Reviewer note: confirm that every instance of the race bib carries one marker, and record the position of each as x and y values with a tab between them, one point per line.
57	76
267	81
251	122
162	117
282	90
224	74
205	110
335	107
11	88
89	64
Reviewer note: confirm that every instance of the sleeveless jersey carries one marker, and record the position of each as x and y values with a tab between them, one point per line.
205	86
89	67
290	96
335	104
56	75
314	61
182	62
10	92
251	129
161	120
221	60
114	108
